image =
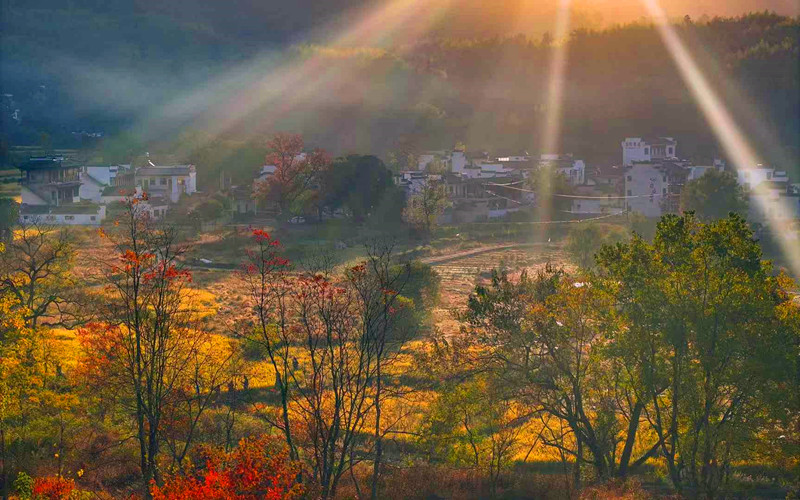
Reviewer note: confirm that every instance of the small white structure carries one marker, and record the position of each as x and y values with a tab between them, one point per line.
65	215
638	149
169	182
565	164
750	178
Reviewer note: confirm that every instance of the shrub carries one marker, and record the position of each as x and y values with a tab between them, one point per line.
52	488
257	469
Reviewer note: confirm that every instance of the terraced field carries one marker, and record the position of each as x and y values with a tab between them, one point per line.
461	272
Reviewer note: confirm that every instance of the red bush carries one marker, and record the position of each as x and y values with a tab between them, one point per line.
257	469
53	488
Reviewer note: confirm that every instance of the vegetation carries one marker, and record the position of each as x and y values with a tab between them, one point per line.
714	195
674	358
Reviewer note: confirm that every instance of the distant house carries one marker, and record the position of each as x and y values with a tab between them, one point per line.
597	200
50	192
96	178
653	188
168	182
643	149
565	164
242	200
608	176
752	177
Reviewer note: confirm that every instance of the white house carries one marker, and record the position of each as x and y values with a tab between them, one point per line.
96	178
169	182
697	171
653	188
750	178
638	149
50	193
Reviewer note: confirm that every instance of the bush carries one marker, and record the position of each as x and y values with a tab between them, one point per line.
52	488
23	485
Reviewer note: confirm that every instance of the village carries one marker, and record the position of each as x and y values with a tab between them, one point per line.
480	186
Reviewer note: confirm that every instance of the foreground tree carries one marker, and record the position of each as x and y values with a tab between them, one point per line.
548	336
707	341
147	346
328	339
35	270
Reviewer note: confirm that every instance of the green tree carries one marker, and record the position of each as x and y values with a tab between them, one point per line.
425	206
705	342
714	195
584	240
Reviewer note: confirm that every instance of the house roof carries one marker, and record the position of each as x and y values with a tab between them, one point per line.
48	163
608	171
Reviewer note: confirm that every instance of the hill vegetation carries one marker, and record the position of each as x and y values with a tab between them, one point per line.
488	93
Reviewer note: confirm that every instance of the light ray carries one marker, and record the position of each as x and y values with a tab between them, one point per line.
734	142
286	85
551	134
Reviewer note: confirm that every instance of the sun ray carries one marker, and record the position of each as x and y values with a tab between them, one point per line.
551	132
738	149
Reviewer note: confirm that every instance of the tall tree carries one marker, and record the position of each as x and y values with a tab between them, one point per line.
147	345
35	270
705	340
426	205
296	172
714	195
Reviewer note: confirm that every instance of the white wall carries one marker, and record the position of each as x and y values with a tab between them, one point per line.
67	219
649	183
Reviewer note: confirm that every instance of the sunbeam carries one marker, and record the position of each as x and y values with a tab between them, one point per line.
551	135
736	146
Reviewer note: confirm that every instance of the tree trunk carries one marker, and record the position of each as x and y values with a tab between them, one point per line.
630	440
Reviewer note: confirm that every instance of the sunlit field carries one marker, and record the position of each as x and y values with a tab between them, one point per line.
412	249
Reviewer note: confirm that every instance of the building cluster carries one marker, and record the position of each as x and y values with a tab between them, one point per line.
649	181
57	190
480	186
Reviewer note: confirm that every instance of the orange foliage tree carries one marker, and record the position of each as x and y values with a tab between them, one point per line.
295	171
147	350
257	469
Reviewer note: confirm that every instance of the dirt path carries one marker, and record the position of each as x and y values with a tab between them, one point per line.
441	259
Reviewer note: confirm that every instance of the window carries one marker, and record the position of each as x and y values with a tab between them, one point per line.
769	175
93	217
663	190
25	217
647	151
630	178
163	181
630	193
664	178
69	217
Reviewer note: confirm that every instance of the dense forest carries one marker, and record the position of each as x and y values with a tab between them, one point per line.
111	68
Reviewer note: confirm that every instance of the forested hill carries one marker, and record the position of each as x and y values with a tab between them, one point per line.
108	64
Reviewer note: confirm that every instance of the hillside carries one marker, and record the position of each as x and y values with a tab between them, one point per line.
108	66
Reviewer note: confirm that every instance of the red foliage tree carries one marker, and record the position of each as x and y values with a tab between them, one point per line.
295	171
257	469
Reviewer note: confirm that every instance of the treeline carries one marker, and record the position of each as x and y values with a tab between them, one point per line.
489	93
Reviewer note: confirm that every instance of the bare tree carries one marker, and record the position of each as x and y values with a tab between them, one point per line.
147	346
35	270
